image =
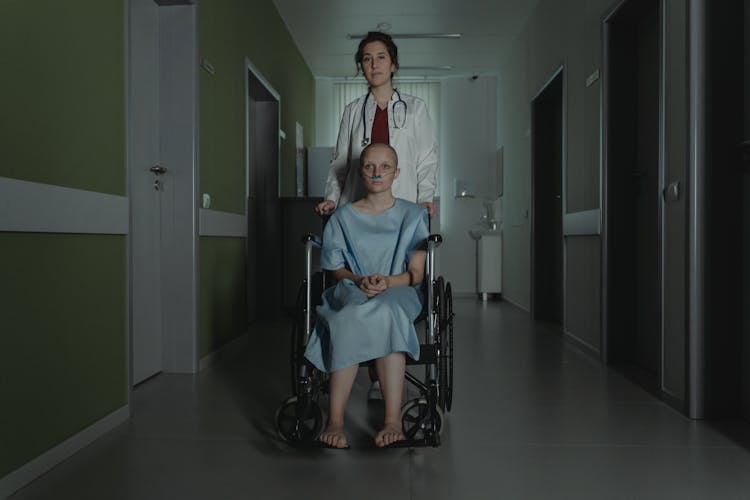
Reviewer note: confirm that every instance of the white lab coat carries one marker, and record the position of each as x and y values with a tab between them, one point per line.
414	143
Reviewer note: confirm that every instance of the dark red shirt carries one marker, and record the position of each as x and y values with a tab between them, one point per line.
380	126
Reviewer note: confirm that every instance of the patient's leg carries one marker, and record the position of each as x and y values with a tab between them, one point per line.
391	374
340	387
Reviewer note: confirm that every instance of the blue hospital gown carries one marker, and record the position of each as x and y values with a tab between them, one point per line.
349	327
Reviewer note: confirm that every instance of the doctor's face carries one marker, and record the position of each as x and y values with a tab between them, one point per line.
377	64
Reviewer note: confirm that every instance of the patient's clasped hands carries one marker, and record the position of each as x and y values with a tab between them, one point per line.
373	285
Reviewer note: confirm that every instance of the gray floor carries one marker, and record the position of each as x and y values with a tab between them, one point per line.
533	418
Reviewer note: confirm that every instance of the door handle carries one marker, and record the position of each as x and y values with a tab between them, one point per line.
671	192
158	169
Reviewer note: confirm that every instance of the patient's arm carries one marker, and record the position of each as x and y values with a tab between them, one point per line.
344	273
377	283
413	274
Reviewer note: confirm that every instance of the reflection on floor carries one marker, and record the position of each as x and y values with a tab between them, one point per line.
532	417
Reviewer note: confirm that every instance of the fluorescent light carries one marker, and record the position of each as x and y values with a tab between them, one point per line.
436	68
413	35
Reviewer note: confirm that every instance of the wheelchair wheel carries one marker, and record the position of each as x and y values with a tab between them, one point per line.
440	333
298	326
299	421
448	348
417	419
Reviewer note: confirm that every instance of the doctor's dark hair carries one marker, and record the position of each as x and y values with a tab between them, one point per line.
376	36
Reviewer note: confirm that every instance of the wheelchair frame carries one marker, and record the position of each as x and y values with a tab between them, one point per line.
299	420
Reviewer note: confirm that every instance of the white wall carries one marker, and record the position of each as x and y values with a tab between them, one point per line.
468	145
324	133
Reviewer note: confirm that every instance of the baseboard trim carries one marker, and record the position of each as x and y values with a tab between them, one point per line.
228	350
582	344
25	474
674	402
515	304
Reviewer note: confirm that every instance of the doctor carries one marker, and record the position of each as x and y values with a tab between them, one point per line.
388	116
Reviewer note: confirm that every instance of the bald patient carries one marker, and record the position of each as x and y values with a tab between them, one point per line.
375	249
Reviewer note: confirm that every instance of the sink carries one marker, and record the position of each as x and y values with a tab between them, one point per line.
476	233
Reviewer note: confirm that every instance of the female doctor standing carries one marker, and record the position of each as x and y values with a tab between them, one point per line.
383	115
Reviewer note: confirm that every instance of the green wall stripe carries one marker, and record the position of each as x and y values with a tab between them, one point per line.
223	303
63	342
229	31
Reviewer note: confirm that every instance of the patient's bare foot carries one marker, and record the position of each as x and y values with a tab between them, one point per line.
334	436
391	433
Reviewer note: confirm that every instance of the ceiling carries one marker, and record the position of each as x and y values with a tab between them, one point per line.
319	28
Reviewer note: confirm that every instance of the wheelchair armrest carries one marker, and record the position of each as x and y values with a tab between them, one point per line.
434	240
314	239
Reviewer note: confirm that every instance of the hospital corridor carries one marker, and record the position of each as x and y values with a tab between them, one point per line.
211	212
533	417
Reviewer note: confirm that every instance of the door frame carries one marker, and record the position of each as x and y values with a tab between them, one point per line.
180	272
605	94
251	71
560	70
248	67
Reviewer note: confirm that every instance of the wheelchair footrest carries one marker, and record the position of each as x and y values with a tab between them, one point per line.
433	441
427	355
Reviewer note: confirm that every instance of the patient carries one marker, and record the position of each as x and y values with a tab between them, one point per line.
375	248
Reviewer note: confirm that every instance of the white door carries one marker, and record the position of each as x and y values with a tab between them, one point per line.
162	180
143	125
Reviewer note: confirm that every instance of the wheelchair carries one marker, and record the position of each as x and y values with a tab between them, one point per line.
299	420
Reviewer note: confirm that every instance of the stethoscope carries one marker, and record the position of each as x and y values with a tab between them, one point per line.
394	106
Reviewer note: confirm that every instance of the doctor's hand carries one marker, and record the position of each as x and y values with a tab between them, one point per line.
325	207
373	285
430	206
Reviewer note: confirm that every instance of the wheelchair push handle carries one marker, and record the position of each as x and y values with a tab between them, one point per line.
313	239
434	240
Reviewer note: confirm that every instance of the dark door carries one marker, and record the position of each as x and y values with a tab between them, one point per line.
633	219
745	264
547	237
263	204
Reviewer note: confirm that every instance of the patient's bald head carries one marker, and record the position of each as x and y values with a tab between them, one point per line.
378	147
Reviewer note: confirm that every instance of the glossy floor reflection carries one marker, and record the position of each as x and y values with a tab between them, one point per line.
533	417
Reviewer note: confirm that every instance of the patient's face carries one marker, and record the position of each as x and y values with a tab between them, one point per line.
379	169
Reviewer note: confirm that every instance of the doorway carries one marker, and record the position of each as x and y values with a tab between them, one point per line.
264	290
745	264
547	156
162	180
632	191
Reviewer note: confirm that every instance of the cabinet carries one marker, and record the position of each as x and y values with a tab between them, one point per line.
490	263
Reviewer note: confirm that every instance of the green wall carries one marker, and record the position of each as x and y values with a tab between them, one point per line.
63	353
63	313
229	31
223	301
62	348
62	93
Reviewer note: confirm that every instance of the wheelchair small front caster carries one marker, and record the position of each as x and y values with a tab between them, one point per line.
299	421
419	421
